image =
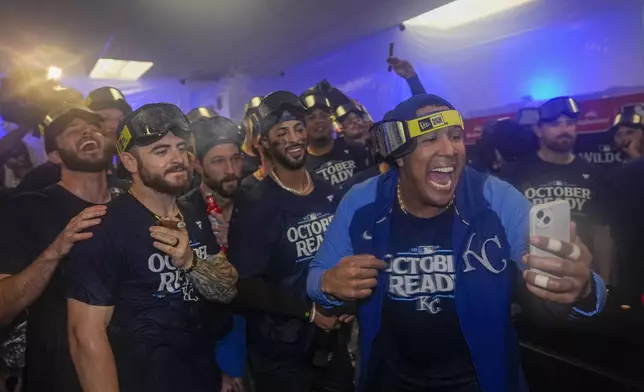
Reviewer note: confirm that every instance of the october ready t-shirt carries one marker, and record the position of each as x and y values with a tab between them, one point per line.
340	164
420	346
274	236
583	184
162	331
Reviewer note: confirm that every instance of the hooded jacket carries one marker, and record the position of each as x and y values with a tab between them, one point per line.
490	235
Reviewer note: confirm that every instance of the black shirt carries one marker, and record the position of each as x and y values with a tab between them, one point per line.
627	228
582	184
274	235
31	222
48	174
422	346
162	331
340	164
249	183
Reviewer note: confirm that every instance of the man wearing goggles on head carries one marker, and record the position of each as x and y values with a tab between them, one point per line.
334	160
555	173
628	132
275	234
400	241
139	310
252	156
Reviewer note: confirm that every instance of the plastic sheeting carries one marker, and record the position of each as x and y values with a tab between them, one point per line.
545	49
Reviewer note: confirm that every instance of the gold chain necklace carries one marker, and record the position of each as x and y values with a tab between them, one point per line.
401	203
181	223
294	191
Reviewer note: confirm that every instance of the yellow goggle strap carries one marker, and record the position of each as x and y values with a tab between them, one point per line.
434	122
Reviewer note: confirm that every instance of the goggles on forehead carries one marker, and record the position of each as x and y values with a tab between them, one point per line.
150	123
554	108
313	101
389	135
630	116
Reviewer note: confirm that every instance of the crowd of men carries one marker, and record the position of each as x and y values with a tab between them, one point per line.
211	256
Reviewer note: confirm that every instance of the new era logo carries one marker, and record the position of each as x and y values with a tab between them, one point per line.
431	123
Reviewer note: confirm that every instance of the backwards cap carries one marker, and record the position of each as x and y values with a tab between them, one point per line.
60	117
213	132
107	98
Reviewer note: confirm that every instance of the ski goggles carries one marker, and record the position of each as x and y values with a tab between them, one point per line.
556	107
279	107
631	117
389	135
252	104
201	113
150	123
316	101
344	110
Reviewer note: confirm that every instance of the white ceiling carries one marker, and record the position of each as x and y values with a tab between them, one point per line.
195	39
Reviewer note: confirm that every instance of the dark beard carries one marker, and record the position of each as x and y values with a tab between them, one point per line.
217	186
159	184
73	163
278	157
555	145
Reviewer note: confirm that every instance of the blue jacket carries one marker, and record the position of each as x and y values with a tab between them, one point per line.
489	237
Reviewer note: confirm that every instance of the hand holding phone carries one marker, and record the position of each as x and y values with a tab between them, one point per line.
559	262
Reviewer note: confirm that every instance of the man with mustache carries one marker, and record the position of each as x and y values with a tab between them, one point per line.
38	231
556	173
272	238
111	105
140	316
628	132
432	251
332	159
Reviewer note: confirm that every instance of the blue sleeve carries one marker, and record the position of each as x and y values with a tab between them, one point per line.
231	350
514	211
337	240
416	86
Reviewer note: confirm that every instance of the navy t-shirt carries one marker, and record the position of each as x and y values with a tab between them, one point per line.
340	164
274	235
420	346
162	331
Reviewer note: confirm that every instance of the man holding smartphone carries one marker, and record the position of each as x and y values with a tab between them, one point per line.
399	242
556	173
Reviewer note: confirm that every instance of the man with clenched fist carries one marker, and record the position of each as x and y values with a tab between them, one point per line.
400	242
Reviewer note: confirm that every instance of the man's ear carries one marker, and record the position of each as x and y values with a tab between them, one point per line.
54	157
129	161
538	130
196	164
263	142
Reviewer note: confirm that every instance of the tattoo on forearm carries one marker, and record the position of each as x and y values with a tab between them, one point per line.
215	278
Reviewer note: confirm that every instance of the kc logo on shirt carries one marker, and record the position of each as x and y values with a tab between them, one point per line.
308	234
172	280
424	274
337	172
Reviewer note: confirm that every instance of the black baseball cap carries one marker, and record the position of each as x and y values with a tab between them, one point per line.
107	98
60	117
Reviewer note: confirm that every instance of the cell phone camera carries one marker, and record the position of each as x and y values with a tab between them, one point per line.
544	218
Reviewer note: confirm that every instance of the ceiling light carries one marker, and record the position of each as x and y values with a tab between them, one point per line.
54	73
119	69
461	12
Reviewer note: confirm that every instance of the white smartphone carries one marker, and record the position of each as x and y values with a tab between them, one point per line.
549	220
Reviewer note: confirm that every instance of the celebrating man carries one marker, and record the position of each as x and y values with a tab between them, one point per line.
400	241
146	276
274	236
38	230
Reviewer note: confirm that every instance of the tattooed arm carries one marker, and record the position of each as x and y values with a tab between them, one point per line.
214	277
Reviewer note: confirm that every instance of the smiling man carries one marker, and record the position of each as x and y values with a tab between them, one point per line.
140	316
432	250
273	237
38	230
